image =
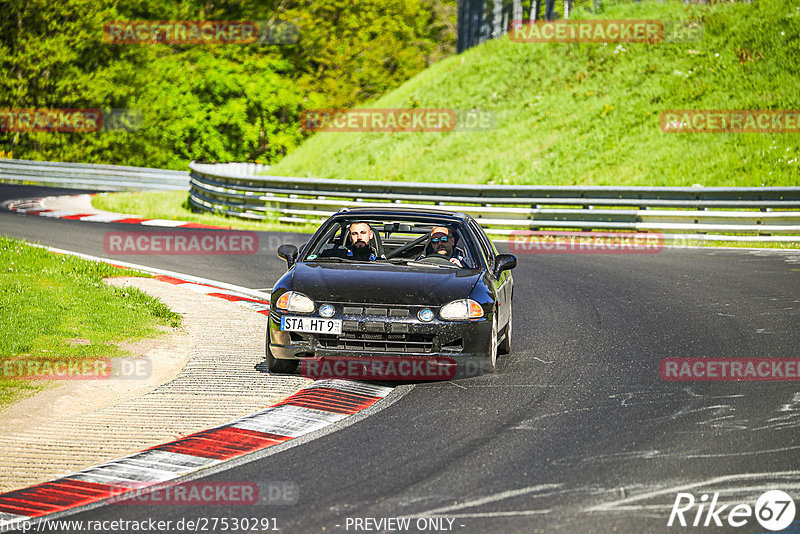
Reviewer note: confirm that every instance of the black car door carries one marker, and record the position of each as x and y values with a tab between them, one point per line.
504	283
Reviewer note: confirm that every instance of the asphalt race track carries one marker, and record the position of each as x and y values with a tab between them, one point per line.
575	432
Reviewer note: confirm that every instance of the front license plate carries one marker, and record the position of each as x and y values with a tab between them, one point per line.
312	325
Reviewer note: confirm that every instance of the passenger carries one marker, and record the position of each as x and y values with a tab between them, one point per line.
443	243
360	236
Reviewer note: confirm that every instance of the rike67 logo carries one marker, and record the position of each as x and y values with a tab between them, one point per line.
774	511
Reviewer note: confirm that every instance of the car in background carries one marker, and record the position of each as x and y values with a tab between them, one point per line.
406	302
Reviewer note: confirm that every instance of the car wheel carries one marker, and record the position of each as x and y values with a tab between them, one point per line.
505	346
276	365
493	344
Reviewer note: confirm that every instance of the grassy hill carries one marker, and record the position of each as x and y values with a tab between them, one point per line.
588	114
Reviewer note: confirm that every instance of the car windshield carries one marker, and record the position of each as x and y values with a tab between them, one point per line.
427	243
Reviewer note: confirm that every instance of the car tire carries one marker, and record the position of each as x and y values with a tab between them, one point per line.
276	365
493	344
505	346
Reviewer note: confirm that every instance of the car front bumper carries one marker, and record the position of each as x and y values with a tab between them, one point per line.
385	337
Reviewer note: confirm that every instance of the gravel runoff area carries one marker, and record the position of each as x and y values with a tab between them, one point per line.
203	375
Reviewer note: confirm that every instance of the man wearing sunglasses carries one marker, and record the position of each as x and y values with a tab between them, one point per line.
443	243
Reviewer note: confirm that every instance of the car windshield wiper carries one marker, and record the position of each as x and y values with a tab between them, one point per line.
427	264
332	259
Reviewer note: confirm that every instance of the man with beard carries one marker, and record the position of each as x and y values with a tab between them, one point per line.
360	237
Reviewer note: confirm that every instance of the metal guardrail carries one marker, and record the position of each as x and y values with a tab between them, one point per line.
88	176
759	212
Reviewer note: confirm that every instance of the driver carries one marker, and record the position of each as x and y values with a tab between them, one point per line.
443	243
360	237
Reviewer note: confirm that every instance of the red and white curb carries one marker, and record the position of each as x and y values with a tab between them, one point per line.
257	305
255	300
36	206
321	404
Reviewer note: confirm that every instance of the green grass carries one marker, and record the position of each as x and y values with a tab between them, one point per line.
174	205
738	244
49	301
574	114
588	114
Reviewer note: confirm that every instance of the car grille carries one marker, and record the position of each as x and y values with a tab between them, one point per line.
379	342
379	311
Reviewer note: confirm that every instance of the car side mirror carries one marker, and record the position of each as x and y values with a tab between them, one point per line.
288	253
504	262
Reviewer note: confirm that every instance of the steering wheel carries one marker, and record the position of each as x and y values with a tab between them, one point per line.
407	246
437	259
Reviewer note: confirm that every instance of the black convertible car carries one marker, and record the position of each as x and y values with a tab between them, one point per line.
389	283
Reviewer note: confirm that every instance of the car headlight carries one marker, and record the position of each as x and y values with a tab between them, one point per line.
292	301
461	310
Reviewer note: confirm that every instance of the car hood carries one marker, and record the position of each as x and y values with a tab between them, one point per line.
382	283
